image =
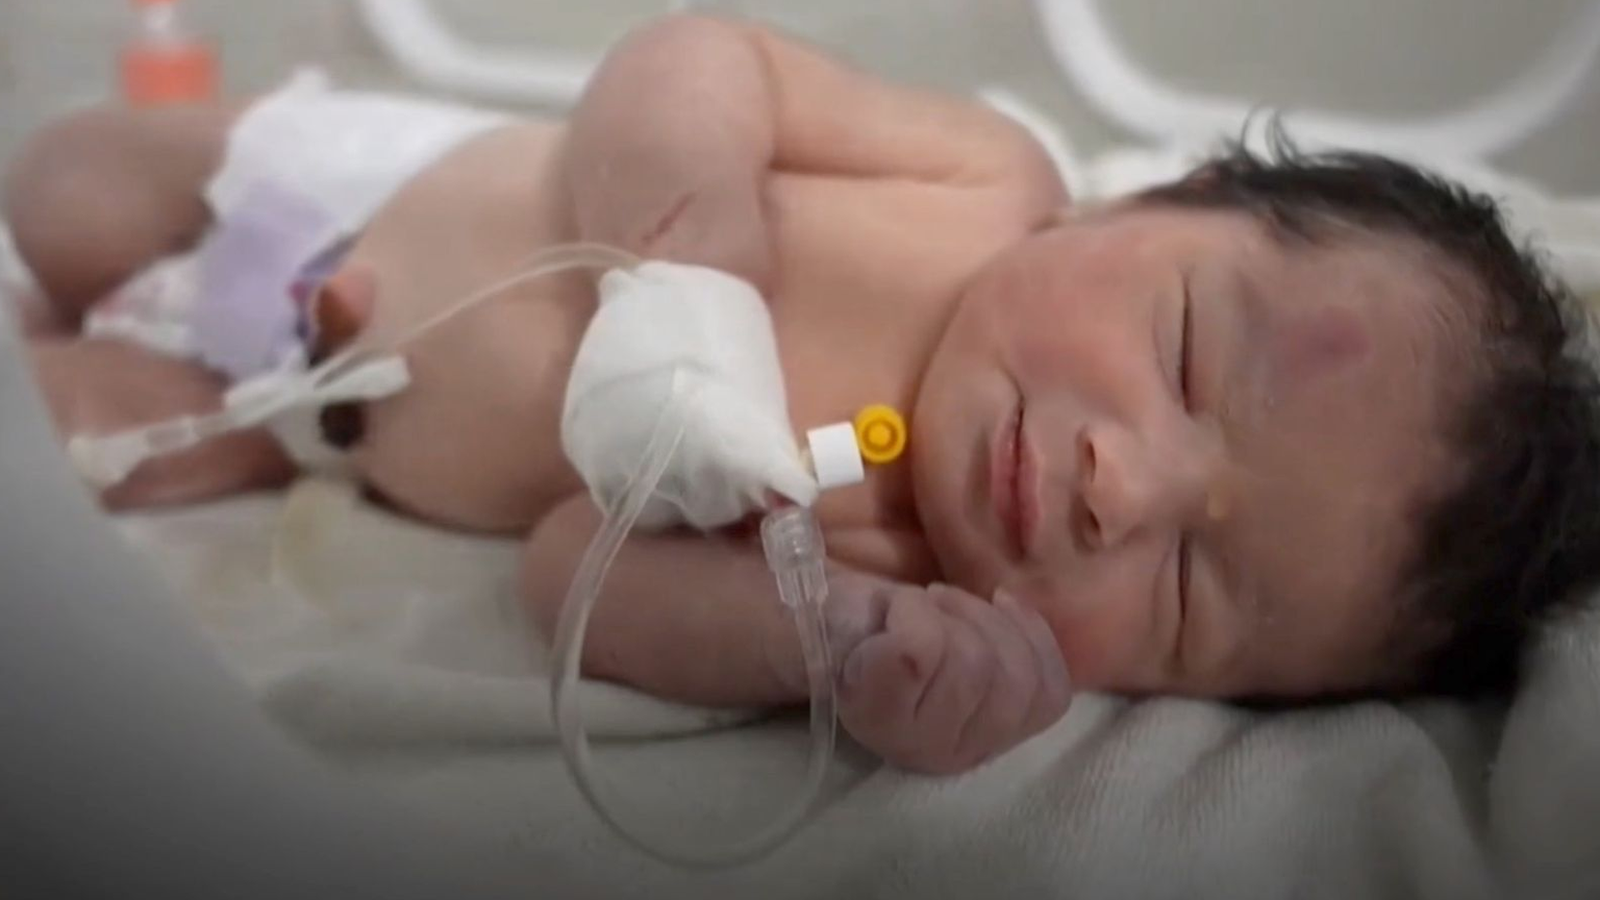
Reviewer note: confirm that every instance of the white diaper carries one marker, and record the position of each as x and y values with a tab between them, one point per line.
342	155
349	150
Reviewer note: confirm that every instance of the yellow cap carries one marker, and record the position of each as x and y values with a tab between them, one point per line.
881	434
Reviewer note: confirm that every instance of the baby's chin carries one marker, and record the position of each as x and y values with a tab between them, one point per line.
958	551
933	521
946	452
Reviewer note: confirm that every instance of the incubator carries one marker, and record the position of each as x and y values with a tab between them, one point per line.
674	414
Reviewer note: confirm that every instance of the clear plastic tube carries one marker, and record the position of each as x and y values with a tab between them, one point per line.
790	537
794	550
286	555
108	459
791	540
549	261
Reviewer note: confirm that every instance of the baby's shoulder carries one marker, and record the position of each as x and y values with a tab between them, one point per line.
1022	174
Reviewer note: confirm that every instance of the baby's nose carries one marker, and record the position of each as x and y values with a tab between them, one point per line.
1125	488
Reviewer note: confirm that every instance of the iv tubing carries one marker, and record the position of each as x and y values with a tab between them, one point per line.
790	537
183	432
794	552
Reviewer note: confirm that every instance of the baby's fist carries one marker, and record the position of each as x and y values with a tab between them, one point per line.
942	680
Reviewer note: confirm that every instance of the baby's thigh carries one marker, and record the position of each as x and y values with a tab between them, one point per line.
97	387
101	193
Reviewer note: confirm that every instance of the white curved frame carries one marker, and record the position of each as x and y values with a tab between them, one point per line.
1122	92
420	42
413	34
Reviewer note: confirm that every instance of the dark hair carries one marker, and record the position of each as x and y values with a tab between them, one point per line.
1515	540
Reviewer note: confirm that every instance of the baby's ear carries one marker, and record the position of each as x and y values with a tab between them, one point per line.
343	306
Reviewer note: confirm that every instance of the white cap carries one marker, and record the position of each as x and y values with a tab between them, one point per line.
835	458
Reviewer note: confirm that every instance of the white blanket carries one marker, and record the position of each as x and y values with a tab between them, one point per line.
402	653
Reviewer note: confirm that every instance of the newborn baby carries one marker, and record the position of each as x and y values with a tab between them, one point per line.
1288	428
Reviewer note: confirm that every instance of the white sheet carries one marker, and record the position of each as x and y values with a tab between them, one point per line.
401	652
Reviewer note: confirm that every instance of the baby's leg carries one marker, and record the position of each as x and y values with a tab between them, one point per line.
92	200
101	386
99	195
35	316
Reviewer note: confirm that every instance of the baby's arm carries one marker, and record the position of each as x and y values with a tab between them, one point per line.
681	616
674	138
933	679
668	156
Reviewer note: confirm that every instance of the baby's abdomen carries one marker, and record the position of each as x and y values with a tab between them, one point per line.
474	442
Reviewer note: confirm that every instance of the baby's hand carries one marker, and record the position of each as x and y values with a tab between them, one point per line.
937	680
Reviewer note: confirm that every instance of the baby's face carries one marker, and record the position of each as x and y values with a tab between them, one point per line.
1195	449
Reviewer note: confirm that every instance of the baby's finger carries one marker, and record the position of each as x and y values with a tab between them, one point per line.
885	678
959	688
1001	717
857	608
1054	690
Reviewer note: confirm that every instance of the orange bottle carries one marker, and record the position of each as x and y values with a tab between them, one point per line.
163	60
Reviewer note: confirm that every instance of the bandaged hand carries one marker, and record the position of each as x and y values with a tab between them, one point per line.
693	342
937	680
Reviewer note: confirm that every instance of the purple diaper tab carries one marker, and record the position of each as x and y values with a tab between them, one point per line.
256	270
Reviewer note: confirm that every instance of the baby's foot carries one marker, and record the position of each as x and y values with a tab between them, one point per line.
101	387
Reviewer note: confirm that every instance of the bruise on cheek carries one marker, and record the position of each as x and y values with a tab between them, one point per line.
1312	346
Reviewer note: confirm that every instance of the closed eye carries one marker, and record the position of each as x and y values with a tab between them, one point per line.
1186	343
1183	579
1185	347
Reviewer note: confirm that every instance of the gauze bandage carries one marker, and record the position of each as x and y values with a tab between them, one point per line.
711	331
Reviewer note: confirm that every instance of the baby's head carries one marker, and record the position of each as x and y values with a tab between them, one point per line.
1290	426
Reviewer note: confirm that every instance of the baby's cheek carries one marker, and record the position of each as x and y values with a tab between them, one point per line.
1079	358
1105	645
1045	344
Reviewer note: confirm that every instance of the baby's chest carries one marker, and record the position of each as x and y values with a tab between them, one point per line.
869	273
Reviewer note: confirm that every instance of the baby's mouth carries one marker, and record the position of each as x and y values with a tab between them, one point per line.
1011	482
